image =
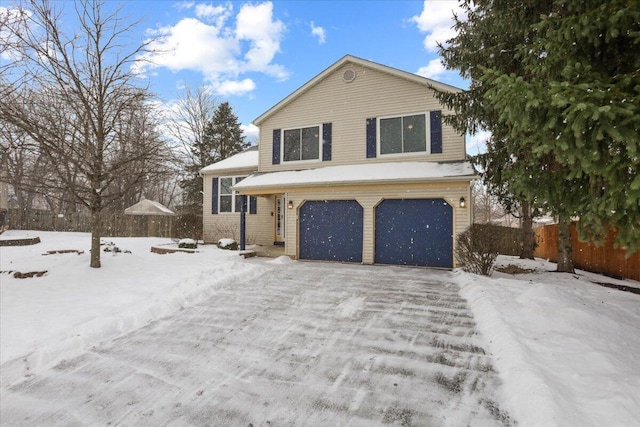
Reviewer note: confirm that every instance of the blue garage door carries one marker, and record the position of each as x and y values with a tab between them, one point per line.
331	230
414	232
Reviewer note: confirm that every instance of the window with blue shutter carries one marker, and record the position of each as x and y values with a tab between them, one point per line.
371	138
253	205
214	196
326	142
436	131
276	147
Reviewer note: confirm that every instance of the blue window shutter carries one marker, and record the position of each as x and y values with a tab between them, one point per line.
276	147
326	142
436	131
214	196
253	205
371	138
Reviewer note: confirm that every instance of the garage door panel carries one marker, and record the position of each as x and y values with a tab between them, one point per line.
414	232
331	230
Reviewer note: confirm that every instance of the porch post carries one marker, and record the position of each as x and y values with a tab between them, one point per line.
243	221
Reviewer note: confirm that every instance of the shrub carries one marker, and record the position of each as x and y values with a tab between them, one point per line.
187	244
477	249
229	244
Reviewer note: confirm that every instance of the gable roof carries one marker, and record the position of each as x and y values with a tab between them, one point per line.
357	61
148	207
247	159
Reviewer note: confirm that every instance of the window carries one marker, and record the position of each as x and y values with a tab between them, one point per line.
406	134
230	201
301	144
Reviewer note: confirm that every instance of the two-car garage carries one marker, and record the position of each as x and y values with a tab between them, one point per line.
415	232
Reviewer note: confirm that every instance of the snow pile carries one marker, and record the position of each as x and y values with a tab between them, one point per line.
567	349
44	320
281	260
224	243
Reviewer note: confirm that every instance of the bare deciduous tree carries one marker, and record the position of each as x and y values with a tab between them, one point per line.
188	124
486	207
70	93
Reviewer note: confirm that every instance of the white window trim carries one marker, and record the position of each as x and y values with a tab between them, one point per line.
234	194
289	162
427	118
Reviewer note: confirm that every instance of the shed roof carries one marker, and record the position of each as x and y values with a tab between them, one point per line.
248	159
368	174
148	207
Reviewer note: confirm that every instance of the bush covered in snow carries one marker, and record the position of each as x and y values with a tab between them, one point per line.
187	244
229	244
477	249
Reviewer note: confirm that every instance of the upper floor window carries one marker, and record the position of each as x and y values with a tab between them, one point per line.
301	144
229	200
405	134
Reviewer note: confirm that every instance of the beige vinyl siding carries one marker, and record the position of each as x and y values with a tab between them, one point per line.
347	106
227	225
369	198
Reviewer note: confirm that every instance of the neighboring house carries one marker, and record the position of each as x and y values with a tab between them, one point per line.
354	166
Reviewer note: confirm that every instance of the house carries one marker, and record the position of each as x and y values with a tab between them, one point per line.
354	166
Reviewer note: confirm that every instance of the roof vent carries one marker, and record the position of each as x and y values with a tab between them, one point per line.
349	75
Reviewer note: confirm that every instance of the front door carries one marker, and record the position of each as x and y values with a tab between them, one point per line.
280	210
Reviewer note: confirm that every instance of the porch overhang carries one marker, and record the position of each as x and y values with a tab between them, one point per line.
401	174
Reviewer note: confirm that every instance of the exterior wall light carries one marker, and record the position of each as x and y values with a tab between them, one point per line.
290	204
463	202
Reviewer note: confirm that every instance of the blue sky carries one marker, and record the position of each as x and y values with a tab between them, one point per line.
253	54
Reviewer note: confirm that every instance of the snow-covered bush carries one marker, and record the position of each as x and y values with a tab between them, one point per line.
477	249
187	244
229	244
111	247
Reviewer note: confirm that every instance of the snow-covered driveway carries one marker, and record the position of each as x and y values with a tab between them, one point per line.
304	344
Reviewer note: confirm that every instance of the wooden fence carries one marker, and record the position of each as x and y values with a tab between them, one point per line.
113	225
605	259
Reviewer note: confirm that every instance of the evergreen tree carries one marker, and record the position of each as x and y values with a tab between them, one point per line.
512	171
577	94
221	138
223	133
202	155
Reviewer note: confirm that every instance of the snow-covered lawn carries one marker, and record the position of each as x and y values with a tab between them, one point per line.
567	350
73	307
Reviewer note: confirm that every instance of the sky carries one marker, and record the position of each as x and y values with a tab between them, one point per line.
253	54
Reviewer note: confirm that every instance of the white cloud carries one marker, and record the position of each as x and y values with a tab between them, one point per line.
251	133
193	45
433	69
184	5
255	24
218	14
234	87
318	32
213	46
436	20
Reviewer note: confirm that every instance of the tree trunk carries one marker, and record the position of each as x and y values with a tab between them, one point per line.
565	252
528	238
96	230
